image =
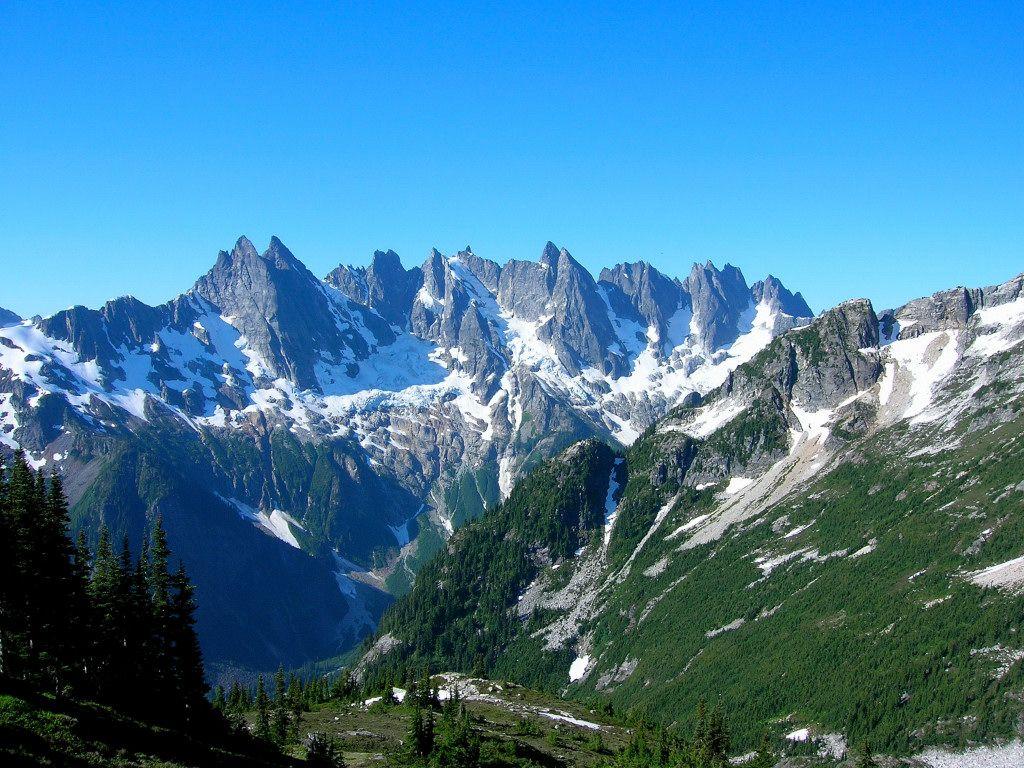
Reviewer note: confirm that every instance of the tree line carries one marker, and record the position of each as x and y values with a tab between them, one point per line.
100	625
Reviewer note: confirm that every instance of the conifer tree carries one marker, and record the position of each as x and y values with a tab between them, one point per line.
20	619
104	593
414	740
279	723
324	752
60	591
184	651
262	711
294	706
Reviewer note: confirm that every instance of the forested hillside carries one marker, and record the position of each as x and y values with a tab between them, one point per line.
99	659
828	544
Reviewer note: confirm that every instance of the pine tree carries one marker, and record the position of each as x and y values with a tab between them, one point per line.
414	737
279	724
104	592
262	711
718	737
18	648
455	744
8	578
324	752
60	591
158	584
184	651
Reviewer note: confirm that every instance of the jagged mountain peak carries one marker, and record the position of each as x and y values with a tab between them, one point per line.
549	255
244	248
388	260
776	295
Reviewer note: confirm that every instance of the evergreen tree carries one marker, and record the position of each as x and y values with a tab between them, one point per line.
158	587
97	626
105	595
262	711
324	752
279	723
455	744
7	576
186	657
17	633
718	737
60	592
295	705
413	746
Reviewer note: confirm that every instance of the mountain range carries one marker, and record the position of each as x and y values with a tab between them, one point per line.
310	443
830	543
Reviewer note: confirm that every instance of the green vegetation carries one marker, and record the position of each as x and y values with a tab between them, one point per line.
79	627
547	518
846	607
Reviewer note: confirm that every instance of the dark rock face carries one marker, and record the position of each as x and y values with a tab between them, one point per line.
579	326
948	309
718	299
772	292
653	298
385	286
820	365
951	309
282	310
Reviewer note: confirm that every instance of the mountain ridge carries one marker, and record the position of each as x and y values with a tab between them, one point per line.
362	418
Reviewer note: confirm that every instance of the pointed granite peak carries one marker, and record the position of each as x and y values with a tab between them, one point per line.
244	248
549	255
772	292
282	257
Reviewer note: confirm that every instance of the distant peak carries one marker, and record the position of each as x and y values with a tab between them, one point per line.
244	247
8	318
386	263
550	253
276	246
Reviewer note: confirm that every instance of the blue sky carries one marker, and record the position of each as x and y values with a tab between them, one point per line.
851	149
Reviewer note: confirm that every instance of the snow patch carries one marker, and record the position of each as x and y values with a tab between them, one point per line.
578	668
610	506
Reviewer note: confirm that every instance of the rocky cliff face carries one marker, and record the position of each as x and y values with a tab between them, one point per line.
355	422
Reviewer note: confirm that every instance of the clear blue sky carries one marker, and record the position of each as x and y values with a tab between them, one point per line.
850	149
